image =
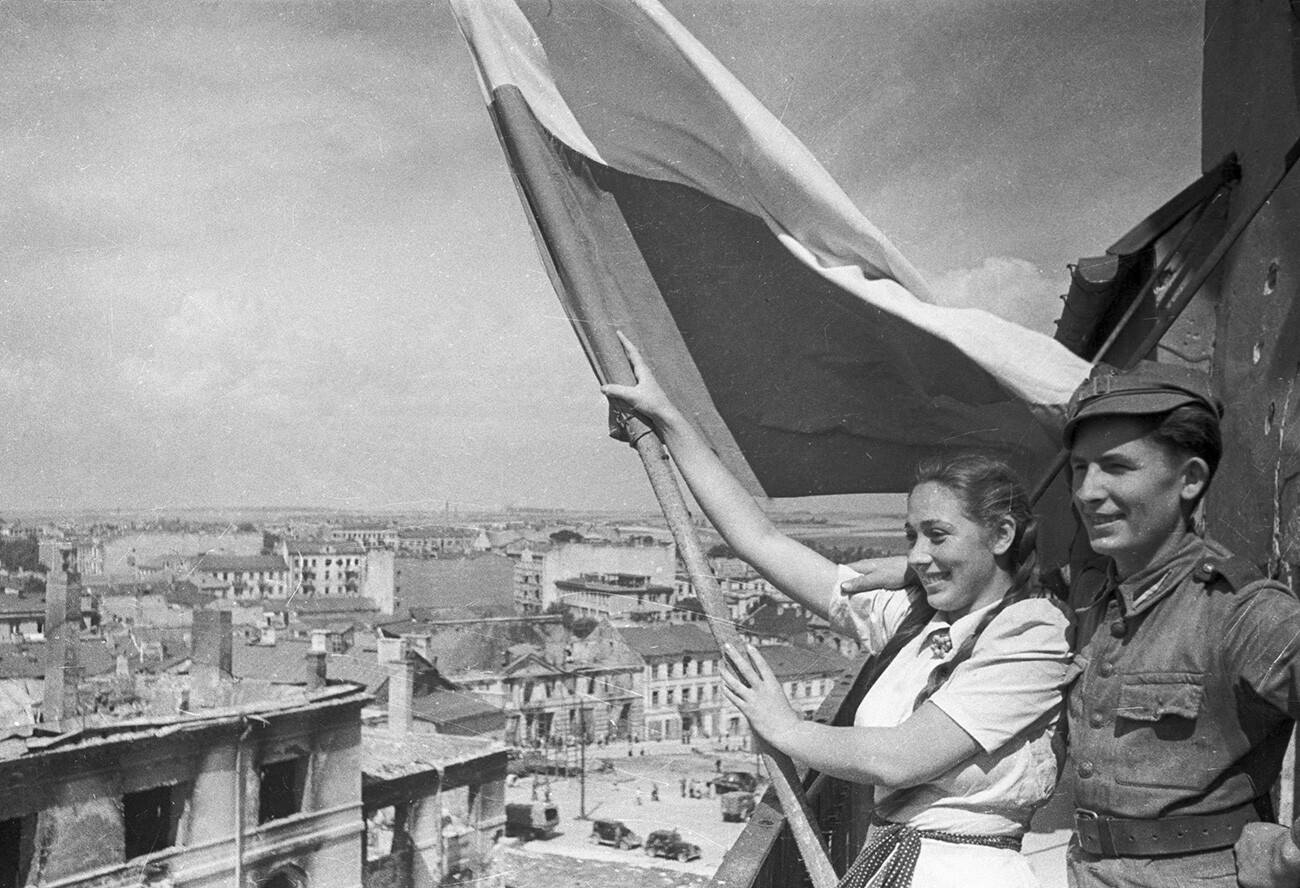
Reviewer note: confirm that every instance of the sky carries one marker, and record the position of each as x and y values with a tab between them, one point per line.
268	253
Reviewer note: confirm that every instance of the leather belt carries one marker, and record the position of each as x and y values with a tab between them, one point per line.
1119	837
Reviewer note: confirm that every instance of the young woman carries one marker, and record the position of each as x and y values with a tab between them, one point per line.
956	733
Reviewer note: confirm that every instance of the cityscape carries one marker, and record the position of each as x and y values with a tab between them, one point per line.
318	565
457	695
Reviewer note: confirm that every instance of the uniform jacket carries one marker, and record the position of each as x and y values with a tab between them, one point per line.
1189	684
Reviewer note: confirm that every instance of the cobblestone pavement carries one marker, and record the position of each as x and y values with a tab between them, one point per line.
525	868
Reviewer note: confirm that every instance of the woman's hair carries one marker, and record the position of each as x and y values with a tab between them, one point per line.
990	493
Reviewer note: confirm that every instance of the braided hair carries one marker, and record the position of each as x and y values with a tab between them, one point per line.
990	494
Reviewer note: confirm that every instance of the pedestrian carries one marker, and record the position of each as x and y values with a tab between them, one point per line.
683	781
959	761
717	766
654	792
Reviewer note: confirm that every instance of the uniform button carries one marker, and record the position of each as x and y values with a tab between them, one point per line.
1106	670
1085	770
1118	629
1096	719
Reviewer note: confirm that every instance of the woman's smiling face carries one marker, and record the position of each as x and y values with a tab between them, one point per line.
953	556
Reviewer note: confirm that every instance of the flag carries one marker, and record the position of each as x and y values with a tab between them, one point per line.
669	203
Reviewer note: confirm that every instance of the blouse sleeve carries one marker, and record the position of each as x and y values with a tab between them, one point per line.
1016	674
870	617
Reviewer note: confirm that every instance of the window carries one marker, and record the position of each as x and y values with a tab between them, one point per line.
381	829
671	697
149	820
281	789
17	845
654	698
288	876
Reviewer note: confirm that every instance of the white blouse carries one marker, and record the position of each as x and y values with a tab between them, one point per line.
1007	696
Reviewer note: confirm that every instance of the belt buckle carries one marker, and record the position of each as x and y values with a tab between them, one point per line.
1094	832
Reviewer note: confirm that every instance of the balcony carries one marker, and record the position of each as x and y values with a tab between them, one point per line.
765	855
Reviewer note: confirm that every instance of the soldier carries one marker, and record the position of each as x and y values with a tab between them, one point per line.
1190	683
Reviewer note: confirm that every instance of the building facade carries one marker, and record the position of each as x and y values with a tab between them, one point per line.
241	576
537	570
369	536
440	540
337	568
617	595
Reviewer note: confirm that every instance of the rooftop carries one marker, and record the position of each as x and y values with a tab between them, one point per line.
613	584
131	719
437	532
220	561
387	756
324	547
668	640
324	604
792	662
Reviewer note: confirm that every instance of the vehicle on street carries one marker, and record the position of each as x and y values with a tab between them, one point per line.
669	843
734	781
532	820
737	806
614	833
526	762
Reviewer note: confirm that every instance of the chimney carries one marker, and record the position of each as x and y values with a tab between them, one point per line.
320	641
401	681
62	661
316	670
422	645
211	663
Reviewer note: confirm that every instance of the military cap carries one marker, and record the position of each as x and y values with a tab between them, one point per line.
1147	389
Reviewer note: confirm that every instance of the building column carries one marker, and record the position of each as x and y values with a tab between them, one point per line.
424	828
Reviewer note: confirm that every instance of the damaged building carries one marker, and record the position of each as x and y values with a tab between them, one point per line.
197	778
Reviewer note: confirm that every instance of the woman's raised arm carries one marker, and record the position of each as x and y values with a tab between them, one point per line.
790	566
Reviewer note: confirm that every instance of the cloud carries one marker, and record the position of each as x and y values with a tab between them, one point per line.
1012	289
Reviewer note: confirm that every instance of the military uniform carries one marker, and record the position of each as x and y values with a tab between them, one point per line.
1189	685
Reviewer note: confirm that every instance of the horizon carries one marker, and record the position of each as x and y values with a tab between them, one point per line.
262	253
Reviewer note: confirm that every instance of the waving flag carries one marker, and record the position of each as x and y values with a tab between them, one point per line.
669	203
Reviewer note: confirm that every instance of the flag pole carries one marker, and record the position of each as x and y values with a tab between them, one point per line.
781	771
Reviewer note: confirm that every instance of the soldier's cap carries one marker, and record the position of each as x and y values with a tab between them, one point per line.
1147	389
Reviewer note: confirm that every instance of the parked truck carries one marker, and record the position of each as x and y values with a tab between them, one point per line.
532	820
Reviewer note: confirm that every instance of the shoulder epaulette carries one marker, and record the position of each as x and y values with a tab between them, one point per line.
1234	571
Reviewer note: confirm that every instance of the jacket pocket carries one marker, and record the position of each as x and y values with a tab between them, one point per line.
1157	731
1149	697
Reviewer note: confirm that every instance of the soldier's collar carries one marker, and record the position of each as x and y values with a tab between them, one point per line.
1154	582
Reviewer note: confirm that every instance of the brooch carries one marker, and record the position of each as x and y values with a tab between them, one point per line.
941	642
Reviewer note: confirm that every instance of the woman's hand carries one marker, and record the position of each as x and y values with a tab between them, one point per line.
646	397
750	685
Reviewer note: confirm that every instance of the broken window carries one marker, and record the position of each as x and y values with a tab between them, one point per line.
281	788
148	820
17	842
381	826
288	876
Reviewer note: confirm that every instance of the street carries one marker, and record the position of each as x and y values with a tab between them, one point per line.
626	793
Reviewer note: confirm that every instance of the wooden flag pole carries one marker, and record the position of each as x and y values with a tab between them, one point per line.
781	771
